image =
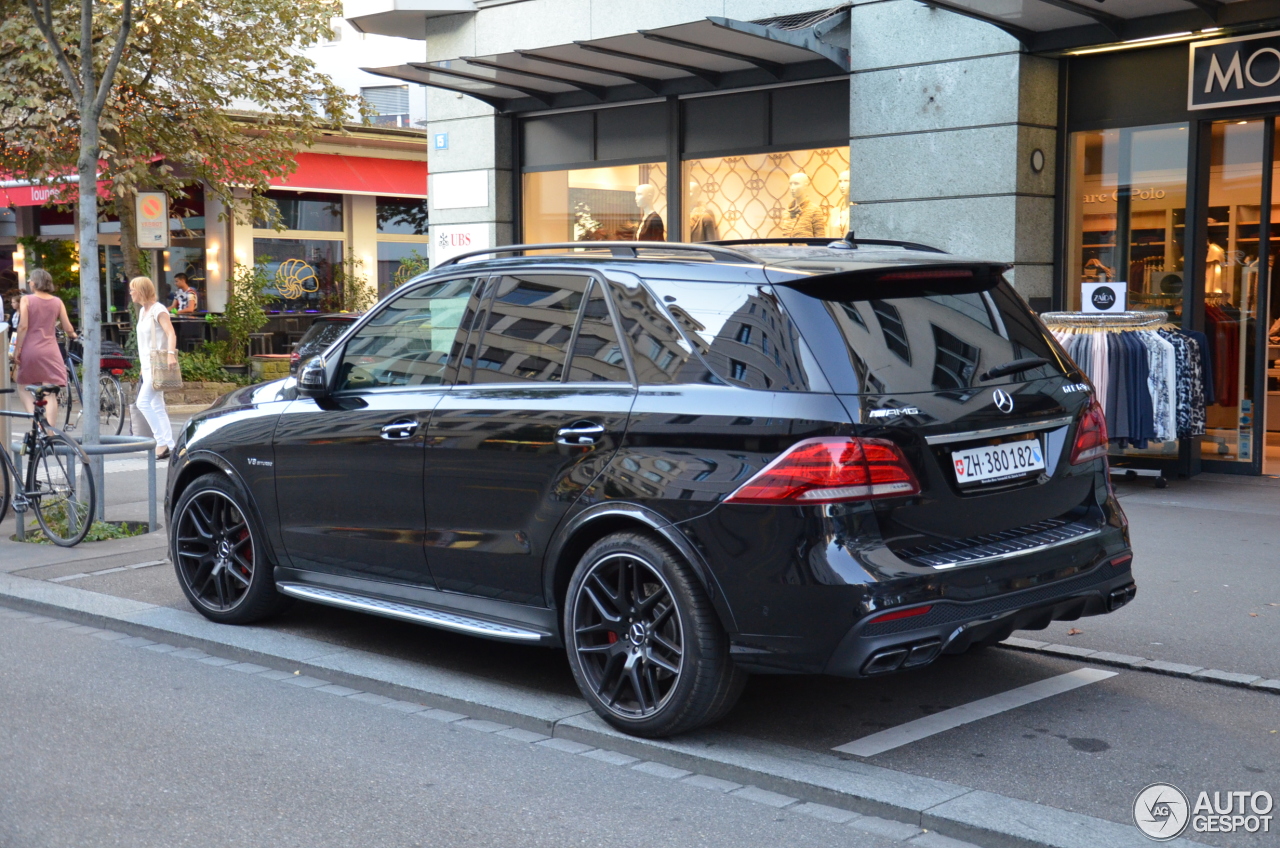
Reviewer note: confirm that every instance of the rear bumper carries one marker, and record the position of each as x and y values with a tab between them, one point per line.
871	648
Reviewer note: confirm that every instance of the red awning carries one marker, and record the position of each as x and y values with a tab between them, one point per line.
38	195
357	175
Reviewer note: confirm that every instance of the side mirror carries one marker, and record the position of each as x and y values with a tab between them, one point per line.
313	379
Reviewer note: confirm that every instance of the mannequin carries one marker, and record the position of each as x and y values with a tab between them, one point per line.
702	223
651	227
804	218
1213	263
838	223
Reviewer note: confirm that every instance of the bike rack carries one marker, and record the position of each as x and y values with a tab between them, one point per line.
111	446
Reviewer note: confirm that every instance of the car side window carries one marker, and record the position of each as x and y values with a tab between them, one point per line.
597	351
524	335
407	342
658	352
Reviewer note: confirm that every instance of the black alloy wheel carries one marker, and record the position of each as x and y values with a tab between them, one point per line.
645	645
221	564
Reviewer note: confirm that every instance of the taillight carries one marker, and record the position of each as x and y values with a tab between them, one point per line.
895	615
831	470
294	357
1091	435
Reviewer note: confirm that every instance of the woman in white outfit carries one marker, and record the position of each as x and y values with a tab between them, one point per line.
155	332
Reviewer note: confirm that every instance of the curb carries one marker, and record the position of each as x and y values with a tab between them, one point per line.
1254	682
947	809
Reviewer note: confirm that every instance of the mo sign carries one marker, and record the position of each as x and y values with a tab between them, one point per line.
1234	71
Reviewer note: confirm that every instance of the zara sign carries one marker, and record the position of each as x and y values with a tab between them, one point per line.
1234	71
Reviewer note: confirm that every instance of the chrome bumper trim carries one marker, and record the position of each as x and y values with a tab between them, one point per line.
996	432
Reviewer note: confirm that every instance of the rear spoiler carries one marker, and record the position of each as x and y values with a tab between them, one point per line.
889	281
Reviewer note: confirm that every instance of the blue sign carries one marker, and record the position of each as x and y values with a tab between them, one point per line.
442	141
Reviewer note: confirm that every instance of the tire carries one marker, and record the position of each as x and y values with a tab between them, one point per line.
220	555
112	407
644	642
6	489
61	489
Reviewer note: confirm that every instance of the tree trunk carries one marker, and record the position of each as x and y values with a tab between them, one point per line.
90	288
127	211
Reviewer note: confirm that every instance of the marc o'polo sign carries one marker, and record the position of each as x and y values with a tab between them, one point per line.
1103	297
1234	71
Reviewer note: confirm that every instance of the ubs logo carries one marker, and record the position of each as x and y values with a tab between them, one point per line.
1003	401
1103	298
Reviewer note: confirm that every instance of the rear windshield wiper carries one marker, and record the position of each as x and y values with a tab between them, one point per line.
1015	367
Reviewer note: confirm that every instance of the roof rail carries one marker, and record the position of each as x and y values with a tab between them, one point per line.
625	249
846	243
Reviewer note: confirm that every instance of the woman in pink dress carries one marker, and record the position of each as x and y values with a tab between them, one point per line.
35	351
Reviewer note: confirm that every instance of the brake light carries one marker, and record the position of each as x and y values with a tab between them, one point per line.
831	470
294	357
1091	435
894	615
929	274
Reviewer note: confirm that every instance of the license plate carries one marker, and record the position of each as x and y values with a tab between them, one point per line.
998	462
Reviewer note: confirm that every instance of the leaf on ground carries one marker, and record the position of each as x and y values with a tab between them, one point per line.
1253	614
1075	631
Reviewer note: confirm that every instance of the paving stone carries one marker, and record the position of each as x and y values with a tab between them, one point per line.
247	667
660	770
5	612
1116	659
929	839
404	706
161	648
335	689
1225	677
822	811
60	625
1175	669
190	654
1016	642
1266	685
136	642
523	735
371	698
885	827
276	674
218	662
305	682
613	758
482	725
706	781
1067	651
764	796
112	636
441	715
569	747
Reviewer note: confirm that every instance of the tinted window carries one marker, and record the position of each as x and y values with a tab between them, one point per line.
322	334
407	342
658	351
741	334
939	342
525	333
597	353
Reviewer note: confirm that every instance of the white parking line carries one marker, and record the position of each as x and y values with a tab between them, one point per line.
913	731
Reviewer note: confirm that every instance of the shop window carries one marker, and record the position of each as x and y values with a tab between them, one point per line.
1126	213
622	202
527	329
301	271
800	193
398	262
306	210
402	216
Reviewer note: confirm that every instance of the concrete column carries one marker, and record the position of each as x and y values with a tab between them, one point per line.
217	255
363	236
945	114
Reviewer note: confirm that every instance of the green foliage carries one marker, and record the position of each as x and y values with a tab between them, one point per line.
410	267
246	310
204	365
353	292
99	531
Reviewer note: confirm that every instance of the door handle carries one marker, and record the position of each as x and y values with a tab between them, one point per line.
397	430
579	433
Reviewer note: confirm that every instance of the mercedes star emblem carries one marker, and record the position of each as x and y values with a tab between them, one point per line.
1003	400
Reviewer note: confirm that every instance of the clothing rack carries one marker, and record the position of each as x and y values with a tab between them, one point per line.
1106	320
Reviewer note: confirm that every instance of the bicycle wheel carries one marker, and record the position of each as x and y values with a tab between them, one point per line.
66	400
111	405
60	487
4	489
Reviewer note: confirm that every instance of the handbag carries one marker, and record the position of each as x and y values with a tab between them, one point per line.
165	375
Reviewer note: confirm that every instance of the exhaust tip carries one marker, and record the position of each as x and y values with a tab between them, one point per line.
1120	597
882	662
912	655
923	654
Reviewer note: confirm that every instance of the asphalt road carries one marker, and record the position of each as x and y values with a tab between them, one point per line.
108	745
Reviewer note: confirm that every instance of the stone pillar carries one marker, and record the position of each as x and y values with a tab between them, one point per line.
945	114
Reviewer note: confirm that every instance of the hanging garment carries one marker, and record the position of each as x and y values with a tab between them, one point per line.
1201	342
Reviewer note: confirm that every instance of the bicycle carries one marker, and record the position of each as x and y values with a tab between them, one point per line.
113	403
59	484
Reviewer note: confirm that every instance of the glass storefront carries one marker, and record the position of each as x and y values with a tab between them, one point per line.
620	203
301	271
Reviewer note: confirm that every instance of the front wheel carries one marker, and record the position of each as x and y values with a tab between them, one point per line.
61	489
645	645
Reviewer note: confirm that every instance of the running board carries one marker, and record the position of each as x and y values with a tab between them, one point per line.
408	612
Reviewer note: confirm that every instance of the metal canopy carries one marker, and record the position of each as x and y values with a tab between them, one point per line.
715	54
1046	26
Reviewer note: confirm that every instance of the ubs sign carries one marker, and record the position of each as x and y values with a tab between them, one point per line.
1234	71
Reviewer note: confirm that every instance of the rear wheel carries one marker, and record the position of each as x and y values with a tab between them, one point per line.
5	490
60	487
112	406
645	645
220	556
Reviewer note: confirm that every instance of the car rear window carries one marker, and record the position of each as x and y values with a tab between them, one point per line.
930	341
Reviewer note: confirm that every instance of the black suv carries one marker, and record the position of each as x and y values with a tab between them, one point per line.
682	463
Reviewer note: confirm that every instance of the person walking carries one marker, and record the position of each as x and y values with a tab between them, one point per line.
155	332
36	354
